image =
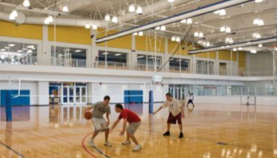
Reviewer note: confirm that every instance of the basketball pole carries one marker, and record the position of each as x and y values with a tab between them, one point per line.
8	103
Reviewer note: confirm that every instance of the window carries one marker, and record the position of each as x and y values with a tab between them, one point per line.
205	67
18	53
112	60
147	62
179	65
66	56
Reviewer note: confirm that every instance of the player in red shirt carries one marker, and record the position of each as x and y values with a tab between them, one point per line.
134	123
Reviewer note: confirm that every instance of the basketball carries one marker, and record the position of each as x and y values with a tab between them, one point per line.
88	115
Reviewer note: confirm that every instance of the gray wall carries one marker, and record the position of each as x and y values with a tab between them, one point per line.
260	62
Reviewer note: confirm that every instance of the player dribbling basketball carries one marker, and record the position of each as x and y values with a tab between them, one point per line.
100	124
176	113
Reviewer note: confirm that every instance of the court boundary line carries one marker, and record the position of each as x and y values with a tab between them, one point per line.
85	148
10	148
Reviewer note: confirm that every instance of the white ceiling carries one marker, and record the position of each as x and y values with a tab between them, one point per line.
239	18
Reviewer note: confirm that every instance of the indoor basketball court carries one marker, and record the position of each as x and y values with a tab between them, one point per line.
138	79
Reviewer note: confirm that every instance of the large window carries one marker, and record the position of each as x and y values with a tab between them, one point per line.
18	53
147	62
179	65
111	60
66	56
205	67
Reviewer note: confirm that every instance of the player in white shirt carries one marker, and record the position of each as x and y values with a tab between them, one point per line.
191	97
176	113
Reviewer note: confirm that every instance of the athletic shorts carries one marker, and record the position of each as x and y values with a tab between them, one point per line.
173	119
190	101
132	127
99	124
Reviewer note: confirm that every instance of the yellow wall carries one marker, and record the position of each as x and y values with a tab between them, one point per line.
122	42
242	60
70	34
147	43
172	46
21	31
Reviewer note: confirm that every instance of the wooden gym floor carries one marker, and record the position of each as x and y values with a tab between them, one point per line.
211	131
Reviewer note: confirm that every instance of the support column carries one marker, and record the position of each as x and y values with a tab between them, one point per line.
43	93
132	57
274	69
91	62
217	63
238	68
89	94
231	62
166	56
193	64
44	58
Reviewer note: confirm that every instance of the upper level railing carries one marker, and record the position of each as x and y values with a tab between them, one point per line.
206	70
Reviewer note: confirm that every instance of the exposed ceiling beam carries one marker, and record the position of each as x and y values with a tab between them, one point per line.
236	45
189	14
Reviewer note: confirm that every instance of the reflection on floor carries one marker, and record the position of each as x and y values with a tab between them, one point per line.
210	131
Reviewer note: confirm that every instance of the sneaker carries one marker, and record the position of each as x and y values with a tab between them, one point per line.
167	133
91	143
181	135
108	144
137	148
127	142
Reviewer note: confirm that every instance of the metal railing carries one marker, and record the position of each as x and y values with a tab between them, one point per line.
68	62
26	60
258	73
177	69
110	65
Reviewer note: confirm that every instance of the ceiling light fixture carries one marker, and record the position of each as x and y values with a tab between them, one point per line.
178	39
222	29
107	17
258	1
258	21
253	51
117	54
240	48
173	38
221	12
170	1
94	27
78	51
184	21
229	40
46	21
26	3
256	35
260	45
11	45
135	34
140	33
201	35
114	20
163	28
235	49
228	30
189	21
50	18
132	8
87	26
13	14
139	10
65	9
158	28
